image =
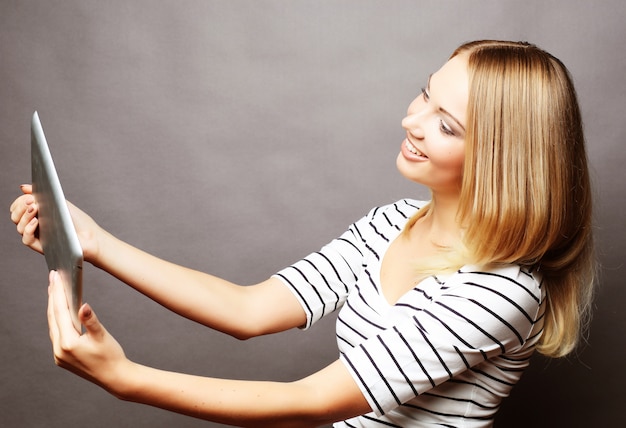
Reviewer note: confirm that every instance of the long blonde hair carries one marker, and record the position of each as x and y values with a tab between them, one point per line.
526	192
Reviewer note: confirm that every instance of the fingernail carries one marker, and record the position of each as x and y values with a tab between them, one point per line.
87	311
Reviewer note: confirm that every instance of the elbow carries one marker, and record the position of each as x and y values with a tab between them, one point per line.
243	335
246	330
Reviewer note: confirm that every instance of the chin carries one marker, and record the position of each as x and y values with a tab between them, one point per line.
407	170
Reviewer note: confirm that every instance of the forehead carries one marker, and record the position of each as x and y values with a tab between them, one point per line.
450	85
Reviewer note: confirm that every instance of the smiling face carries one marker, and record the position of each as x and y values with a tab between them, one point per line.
434	150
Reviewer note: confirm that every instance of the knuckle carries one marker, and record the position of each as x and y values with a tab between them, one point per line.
65	348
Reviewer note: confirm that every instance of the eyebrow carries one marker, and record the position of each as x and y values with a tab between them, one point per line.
443	110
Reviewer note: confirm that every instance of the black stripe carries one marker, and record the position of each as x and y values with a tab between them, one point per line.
449	415
508	299
462	400
362	298
339	318
388	424
522	286
380	409
474	384
351	243
332	265
325	282
297	269
380	374
410	348
355	277
390	224
362	317
469	321
393	358
502	320
378	233
306	304
458	351
443	364
475	370
372	282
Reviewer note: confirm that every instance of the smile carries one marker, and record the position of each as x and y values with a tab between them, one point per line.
411	148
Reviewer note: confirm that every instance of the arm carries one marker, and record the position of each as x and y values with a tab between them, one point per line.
242	312
323	397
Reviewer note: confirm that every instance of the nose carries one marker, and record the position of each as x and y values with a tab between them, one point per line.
413	123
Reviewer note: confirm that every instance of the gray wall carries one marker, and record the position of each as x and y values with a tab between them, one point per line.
237	136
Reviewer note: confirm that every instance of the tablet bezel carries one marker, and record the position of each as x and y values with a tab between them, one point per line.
57	234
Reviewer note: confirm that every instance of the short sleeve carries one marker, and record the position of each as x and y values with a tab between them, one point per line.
322	280
477	317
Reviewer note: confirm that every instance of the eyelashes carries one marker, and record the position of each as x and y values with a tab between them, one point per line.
443	126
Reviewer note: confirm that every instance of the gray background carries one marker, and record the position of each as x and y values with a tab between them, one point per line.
237	136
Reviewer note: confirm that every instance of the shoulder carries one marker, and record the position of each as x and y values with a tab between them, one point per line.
397	212
386	221
510	281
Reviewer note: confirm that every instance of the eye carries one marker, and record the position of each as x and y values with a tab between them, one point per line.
425	94
445	128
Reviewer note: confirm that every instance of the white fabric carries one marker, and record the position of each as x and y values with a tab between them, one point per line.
446	353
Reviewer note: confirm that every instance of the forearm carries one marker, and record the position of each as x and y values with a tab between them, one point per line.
192	294
233	402
242	312
330	394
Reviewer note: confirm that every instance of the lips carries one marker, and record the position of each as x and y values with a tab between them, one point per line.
413	150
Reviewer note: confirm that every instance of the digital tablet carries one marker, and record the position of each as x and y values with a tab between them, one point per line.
57	234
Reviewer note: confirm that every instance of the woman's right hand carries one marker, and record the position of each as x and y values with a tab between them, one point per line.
24	212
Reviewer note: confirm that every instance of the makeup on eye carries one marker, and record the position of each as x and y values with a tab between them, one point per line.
443	126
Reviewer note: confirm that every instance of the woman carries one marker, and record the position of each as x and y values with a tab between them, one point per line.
442	303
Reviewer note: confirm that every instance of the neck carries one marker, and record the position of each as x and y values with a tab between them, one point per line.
441	224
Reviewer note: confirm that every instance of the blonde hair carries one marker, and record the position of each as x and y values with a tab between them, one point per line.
526	193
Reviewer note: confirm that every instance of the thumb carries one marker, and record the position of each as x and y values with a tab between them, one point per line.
89	319
26	188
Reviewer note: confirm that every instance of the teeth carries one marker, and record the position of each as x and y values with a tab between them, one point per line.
410	147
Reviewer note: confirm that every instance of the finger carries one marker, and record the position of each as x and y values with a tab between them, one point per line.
23	215
20	206
67	332
53	329
92	324
29	236
26	188
29	213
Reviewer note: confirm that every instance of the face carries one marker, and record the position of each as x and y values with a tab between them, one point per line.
434	149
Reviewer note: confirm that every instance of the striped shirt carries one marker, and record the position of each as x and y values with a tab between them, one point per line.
446	353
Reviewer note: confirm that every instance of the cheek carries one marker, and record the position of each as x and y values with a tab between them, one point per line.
451	157
457	158
451	164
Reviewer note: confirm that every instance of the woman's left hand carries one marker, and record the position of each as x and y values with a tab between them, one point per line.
94	355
